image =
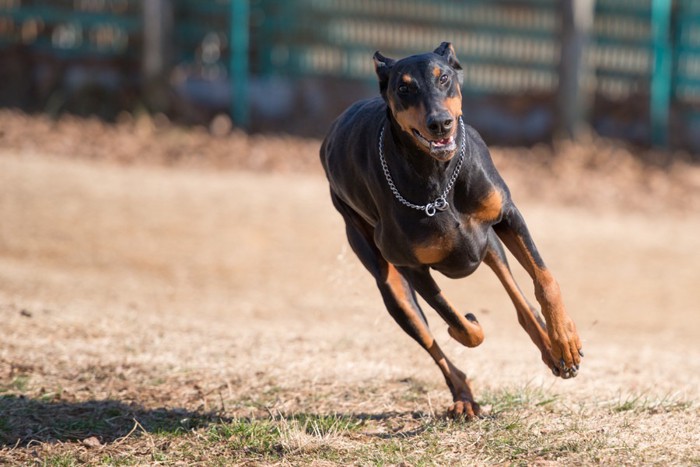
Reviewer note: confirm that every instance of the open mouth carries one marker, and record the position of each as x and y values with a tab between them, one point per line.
439	148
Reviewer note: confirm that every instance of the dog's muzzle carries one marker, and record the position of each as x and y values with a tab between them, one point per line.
441	149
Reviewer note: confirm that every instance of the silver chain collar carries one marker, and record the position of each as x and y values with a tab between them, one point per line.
440	203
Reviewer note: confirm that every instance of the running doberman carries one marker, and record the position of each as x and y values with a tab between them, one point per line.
418	191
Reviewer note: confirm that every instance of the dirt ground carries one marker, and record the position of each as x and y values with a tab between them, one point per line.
138	286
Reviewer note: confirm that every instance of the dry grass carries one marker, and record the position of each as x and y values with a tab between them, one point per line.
526	426
178	316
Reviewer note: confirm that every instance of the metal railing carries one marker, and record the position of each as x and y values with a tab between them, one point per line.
637	49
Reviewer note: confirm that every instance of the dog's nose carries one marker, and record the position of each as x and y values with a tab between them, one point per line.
440	124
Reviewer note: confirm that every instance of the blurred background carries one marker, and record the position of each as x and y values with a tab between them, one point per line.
534	69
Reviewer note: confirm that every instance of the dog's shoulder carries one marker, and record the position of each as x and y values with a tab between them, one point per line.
477	145
356	124
352	140
349	154
483	173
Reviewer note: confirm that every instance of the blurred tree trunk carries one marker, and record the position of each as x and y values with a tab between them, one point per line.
574	94
157	53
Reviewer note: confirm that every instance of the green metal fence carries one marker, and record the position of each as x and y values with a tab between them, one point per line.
505	46
640	50
686	67
70	28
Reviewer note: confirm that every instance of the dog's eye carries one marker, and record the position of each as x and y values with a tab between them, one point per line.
444	79
403	89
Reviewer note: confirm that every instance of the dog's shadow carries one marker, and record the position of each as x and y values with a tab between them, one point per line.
24	421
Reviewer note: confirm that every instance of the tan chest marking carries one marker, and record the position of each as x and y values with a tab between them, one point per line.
435	250
489	208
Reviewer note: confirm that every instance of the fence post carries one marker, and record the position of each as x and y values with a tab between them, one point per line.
157	39
661	72
572	93
238	63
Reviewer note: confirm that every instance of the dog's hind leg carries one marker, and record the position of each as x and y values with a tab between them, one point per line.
400	300
528	316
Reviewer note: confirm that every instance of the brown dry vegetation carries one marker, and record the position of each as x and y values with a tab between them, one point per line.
171	297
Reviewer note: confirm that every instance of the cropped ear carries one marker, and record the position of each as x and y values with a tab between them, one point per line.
448	52
382	66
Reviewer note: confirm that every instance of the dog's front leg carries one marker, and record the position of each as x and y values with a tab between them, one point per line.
564	339
464	329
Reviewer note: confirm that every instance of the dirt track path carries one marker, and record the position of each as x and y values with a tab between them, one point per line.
212	274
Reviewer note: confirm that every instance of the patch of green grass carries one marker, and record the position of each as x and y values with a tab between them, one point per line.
64	459
260	437
627	405
117	460
325	425
509	399
640	403
276	437
387	452
19	383
526	425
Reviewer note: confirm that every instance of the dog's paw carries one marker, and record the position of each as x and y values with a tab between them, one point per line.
565	352
464	409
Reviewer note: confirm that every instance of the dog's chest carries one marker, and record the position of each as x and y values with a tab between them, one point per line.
451	243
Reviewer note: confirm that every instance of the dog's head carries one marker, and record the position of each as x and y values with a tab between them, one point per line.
424	97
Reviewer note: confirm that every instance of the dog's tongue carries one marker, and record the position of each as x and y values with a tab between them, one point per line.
441	142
